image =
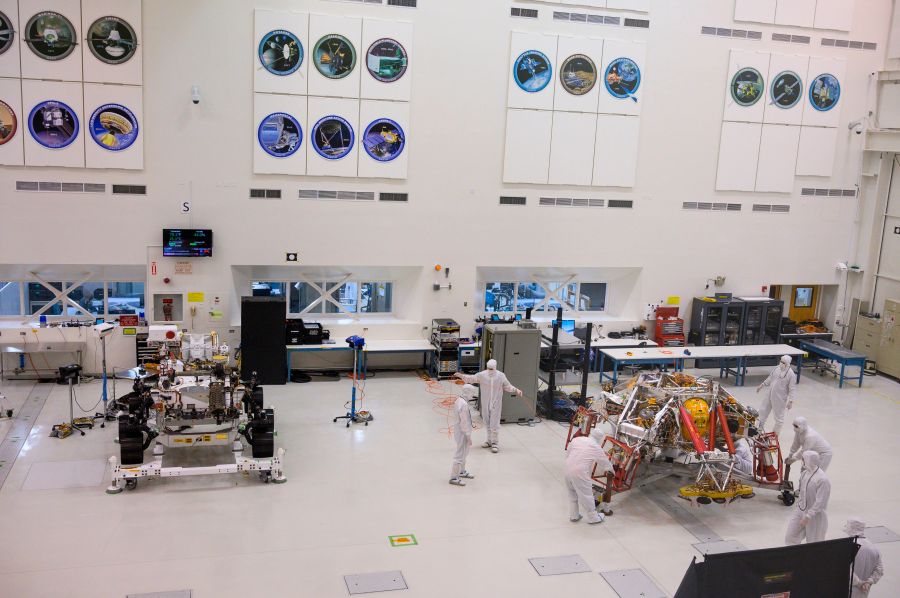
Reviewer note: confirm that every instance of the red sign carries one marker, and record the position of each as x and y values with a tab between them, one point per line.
128	320
153	268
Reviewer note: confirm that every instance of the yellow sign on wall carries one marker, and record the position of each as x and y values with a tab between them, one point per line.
196	298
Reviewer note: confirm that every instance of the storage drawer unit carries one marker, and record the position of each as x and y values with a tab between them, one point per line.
889	347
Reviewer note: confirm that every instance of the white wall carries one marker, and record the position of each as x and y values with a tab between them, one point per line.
204	153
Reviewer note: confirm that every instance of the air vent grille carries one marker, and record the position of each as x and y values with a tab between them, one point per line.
53	186
726	32
831	42
49	186
577	202
129	189
620	203
337	195
528	13
94	188
512	201
773	208
640	23
711	206
577	17
393	197
273	193
404	3
813	192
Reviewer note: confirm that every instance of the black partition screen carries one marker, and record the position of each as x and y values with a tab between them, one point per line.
263	348
817	570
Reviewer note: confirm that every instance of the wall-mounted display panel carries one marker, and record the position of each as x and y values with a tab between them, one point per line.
332	137
113	126
54	123
12	123
777	158
281	52
9	39
280	133
815	156
824	86
799	13
579	82
746	85
336	58
578	77
786	89
383	139
755	11
51	40
572	148
532	72
112	41
616	150
622	77
527	158
834	14
738	156
386	57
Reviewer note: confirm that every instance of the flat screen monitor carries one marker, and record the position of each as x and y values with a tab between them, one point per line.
187	242
567	326
804	297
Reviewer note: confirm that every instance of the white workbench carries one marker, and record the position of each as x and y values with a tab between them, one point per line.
676	356
373	346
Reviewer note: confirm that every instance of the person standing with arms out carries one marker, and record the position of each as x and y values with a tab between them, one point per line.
867	568
583	454
809	521
461	426
493	384
782	388
807	439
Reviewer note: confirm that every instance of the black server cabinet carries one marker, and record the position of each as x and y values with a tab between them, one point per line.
263	348
762	326
715	323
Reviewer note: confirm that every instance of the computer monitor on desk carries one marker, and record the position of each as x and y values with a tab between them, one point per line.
566	326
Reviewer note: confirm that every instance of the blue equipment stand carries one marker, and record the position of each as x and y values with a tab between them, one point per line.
356	344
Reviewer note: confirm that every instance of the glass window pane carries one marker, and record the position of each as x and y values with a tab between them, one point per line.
268	289
375	297
302	296
593	296
499	296
125	298
554	303
529	294
89	296
346	296
9	299
39	296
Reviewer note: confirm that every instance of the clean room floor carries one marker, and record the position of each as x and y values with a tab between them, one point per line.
349	489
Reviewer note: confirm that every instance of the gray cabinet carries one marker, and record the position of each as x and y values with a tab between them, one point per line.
889	348
867	337
517	351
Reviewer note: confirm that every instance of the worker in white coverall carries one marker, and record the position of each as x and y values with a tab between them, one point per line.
461	426
583	453
807	439
743	457
782	388
493	384
809	520
867	568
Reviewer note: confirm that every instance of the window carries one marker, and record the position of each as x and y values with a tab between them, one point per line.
268	289
509	297
125	298
88	295
498	296
375	297
347	296
302	296
39	296
10	303
592	296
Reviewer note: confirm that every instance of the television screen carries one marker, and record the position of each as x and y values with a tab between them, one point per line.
187	242
567	326
804	297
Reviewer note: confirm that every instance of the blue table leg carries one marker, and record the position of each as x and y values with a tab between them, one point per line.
841	383
602	358
288	365
615	372
799	367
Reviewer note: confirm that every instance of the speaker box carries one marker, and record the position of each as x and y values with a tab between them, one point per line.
262	339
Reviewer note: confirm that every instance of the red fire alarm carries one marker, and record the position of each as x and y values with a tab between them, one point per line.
764	289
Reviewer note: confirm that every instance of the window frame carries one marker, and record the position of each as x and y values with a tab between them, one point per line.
559	294
330	287
67	287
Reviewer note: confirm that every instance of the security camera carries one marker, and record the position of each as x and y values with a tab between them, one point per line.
195	94
857	126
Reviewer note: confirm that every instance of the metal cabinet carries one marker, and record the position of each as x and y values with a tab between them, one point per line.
889	349
867	337
517	350
762	326
715	323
